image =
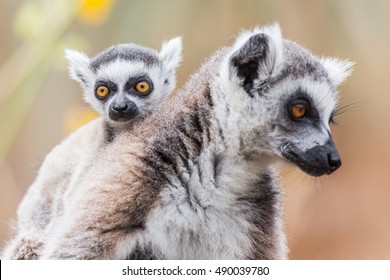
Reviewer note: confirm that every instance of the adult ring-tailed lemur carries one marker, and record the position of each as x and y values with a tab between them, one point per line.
124	83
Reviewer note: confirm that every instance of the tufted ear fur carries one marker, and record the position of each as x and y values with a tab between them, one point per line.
338	70
258	55
79	66
171	53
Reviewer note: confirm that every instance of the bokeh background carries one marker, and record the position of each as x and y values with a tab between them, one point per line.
344	216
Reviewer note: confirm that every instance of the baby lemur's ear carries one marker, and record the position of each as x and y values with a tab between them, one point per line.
171	53
338	70
258	55
79	66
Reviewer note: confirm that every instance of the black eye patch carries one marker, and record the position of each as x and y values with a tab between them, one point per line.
104	89
132	84
110	85
300	108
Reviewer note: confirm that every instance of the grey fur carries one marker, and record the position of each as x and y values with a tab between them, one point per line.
303	63
128	52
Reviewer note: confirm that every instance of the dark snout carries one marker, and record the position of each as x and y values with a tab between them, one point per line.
122	111
317	161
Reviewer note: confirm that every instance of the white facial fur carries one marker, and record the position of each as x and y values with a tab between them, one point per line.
119	72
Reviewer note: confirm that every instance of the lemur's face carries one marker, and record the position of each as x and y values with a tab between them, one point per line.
300	132
127	81
292	98
125	90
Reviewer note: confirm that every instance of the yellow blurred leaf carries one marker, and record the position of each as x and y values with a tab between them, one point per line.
95	11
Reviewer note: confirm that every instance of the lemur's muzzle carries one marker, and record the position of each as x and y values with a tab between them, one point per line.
317	161
123	111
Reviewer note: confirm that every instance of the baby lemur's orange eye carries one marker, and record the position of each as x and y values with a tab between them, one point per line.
298	110
102	91
142	87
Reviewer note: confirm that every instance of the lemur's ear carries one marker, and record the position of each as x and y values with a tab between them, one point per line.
171	53
258	54
78	66
338	70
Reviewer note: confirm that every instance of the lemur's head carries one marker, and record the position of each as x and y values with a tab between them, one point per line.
287	98
126	81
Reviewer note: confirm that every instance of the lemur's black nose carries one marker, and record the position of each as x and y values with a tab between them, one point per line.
120	107
317	161
122	111
334	161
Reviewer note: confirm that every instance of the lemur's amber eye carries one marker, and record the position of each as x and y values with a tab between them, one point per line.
102	91
142	87
298	110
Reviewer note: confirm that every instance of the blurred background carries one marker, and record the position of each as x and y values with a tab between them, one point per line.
344	216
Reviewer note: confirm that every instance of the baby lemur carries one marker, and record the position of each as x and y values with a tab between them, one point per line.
124	83
196	180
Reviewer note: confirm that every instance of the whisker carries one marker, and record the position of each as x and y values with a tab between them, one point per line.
298	179
342	109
